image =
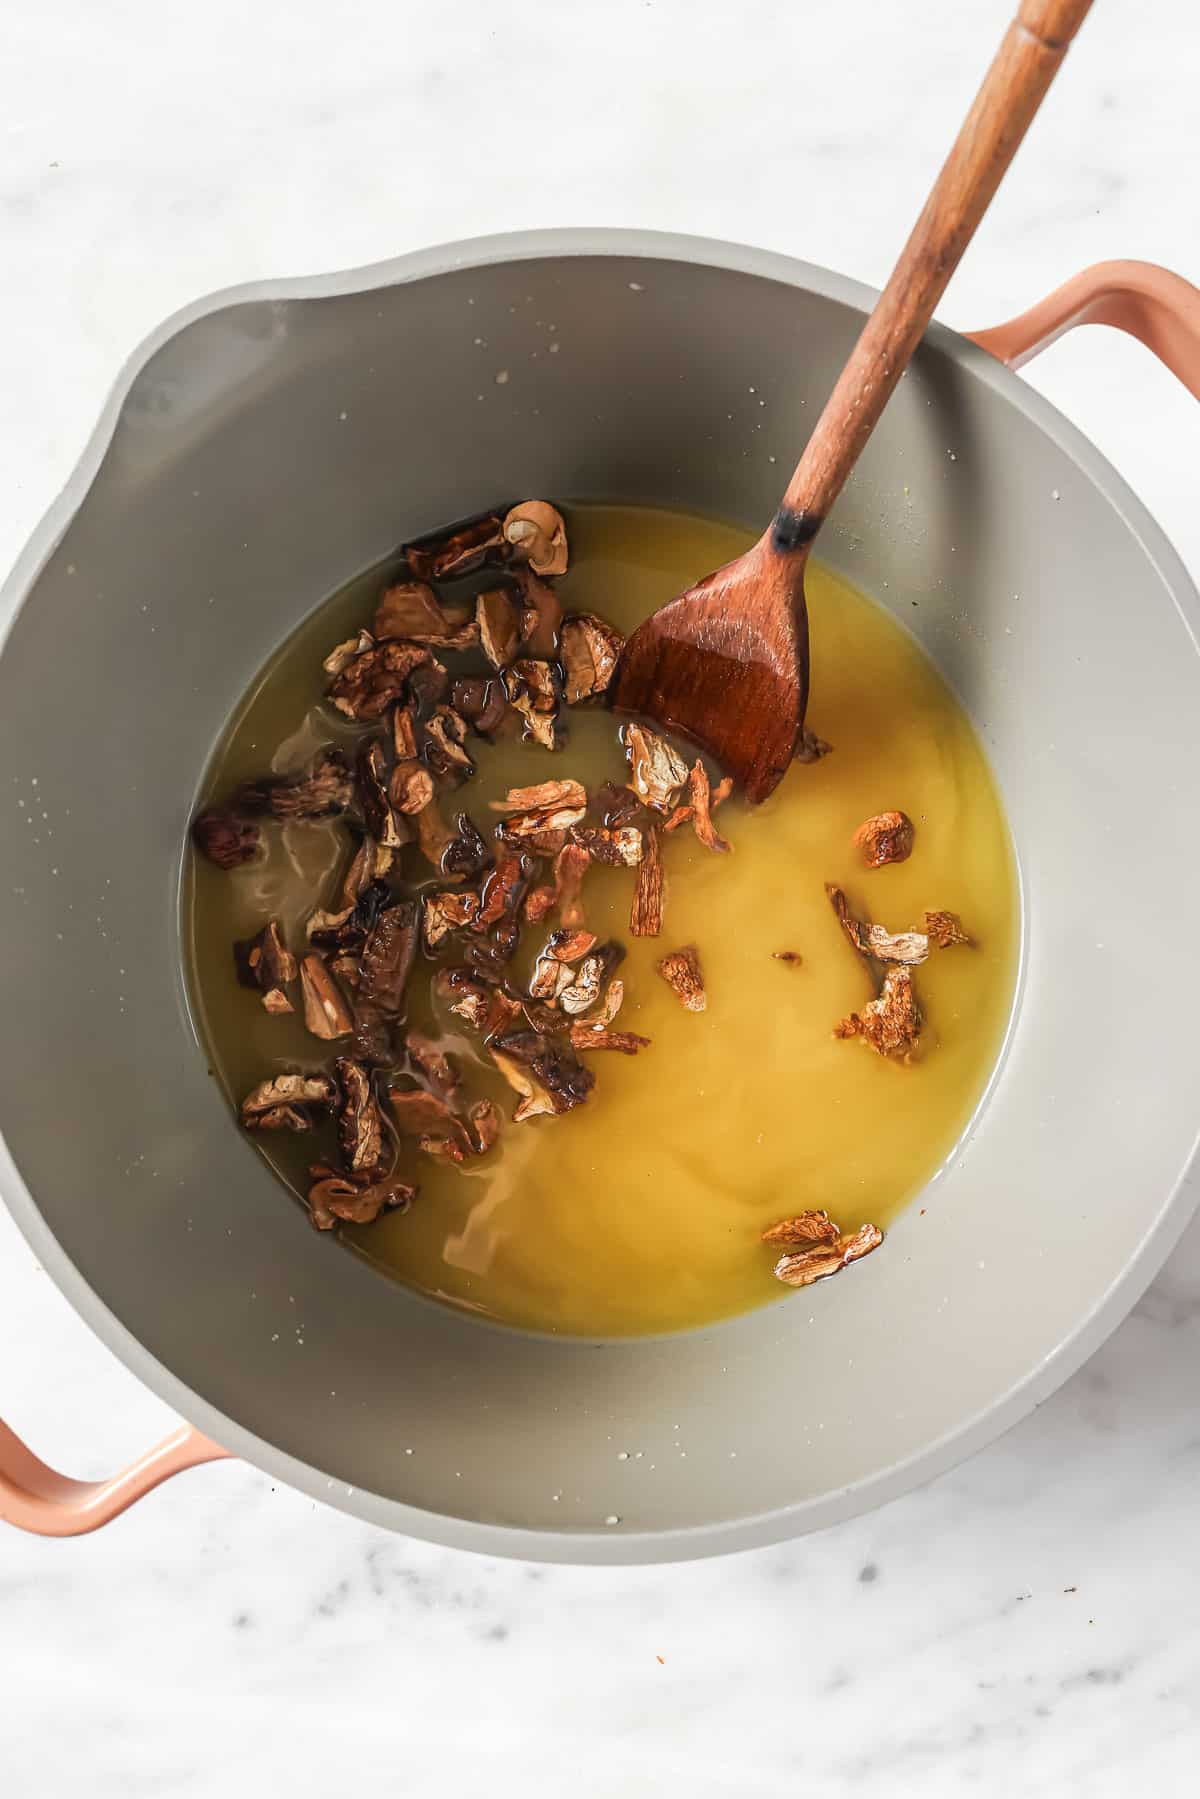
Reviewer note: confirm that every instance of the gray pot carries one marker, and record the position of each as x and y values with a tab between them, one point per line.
266	444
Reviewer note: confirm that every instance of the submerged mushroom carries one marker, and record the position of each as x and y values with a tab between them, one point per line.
326	1013
658	771
410	610
266	964
360	1123
536	534
499	629
530	687
224	839
589	649
459	549
324	792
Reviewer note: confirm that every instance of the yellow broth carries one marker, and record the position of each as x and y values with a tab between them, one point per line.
641	1210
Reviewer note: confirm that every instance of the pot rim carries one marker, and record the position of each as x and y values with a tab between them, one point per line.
572	1545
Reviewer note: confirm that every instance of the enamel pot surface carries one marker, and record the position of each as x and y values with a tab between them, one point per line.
267	444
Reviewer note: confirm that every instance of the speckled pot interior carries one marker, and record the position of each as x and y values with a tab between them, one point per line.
268	444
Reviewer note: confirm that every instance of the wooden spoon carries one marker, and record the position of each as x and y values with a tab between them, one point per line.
727	662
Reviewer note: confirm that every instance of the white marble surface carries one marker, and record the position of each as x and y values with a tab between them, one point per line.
1030	1623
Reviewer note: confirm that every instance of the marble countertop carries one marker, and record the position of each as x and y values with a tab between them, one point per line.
1030	1622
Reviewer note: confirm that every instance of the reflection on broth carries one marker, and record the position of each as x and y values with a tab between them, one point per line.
642	1209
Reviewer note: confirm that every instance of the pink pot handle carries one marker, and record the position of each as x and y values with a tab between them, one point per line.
1161	309
35	1497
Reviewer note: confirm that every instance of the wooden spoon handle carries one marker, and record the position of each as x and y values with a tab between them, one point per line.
1012	91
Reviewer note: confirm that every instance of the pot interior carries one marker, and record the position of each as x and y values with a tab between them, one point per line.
273	447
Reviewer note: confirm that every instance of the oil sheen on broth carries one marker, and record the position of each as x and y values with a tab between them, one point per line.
641	1210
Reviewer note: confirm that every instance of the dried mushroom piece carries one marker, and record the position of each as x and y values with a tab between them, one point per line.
619	806
540	612
529	684
856	929
458	549
570	866
368	685
911	947
368	866
410	609
504	887
224	839
585	1036
281	1103
447	733
683	815
803	1267
326	1013
388	958
891	1024
383	822
482	702
700	791
810	747
429	1119
622	848
499	627
434	836
539	903
485	1006
446	912
405	742
485	1121
432	1064
342	654
610	1005
324	792
410	788
945	929
681	970
802	1231
657	770
589	979
888	837
465	855
267	965
335	1197
534	824
545	796
548	1075
360	1123
589	650
536	534
646	915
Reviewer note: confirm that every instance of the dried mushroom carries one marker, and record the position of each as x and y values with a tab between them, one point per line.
589	650
556	816
646	915
484	1117
681	970
529	684
432	1064
657	770
282	1103
504	887
383	822
548	1076
802	1231
446	912
324	792
370	863
891	1024
622	848
410	610
698	788
429	1119
266	964
536	534
360	1124
483	1005
589	979
368	685
540	612
335	1197
911	947
888	837
570	866
344	653
410	788
499	627
466	855
482	702
802	1267
459	550
404	733
683	815
945	929
545	796
585	1036
433	835
326	1013
447	732
388	958
224	839
539	903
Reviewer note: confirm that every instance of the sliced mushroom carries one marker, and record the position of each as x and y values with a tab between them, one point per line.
892	1023
326	1013
360	1123
446	912
447	732
466	855
343	654
810	747
410	788
548	1075
482	701
484	1116
458	549
802	1231
545	796
820	1260
529	684
433	834
570	866
946	929
335	1196
537	535
658	771
388	958
481	1003
588	1036
324	792
404	733
286	1093
504	887
698	787
498	626
589	650
623	848
533	826
540	614
372	682
410	610
589	979
266	964
646	913
383	822
432	1064
429	1119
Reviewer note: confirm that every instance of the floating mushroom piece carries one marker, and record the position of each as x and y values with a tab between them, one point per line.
459	549
657	770
499	626
326	1013
325	791
589	650
529	684
447	733
536	534
410	610
266	964
360	1123
335	1197
283	1102
225	839
365	688
681	971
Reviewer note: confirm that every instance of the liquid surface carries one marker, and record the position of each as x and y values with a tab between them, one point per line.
641	1210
